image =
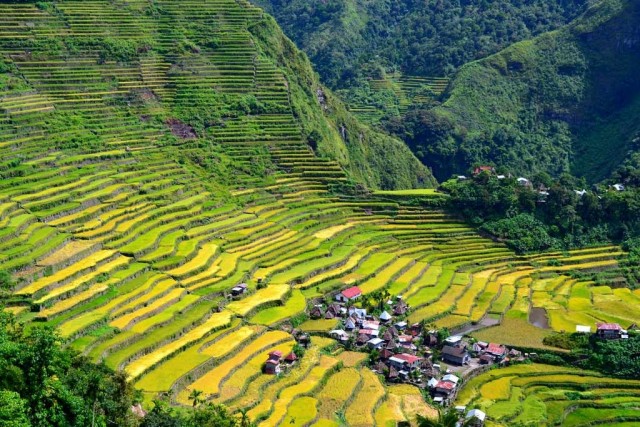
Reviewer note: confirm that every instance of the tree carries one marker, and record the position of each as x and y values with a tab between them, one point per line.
6	282
196	397
13	410
244	418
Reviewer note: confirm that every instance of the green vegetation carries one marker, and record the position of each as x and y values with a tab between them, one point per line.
44	384
565	101
418	37
536	394
167	152
542	213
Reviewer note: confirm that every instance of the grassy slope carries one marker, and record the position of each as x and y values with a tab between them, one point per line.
557	102
372	157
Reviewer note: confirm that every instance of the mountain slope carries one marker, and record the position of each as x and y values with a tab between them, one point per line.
143	75
419	37
565	101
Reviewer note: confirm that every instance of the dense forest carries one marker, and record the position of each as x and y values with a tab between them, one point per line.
557	102
566	101
418	37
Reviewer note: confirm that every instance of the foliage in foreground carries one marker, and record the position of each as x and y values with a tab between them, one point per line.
43	384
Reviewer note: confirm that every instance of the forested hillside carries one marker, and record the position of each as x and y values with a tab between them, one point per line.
567	101
418	37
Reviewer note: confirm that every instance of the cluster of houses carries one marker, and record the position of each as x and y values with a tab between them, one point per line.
543	191
405	352
275	362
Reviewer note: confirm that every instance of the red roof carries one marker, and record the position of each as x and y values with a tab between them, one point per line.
609	327
352	292
368	331
277	354
291	357
409	358
496	349
447	385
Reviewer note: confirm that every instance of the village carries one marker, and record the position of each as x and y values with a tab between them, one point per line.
415	354
542	190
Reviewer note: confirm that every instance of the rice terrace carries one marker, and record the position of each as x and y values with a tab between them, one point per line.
162	207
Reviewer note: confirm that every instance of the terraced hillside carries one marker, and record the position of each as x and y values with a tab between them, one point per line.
544	395
393	95
126	225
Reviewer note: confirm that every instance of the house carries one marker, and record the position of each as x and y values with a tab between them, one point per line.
444	388
334	309
583	329
380	368
431	340
340	335
479	169
371	324
239	289
486	359
272	365
496	350
524	182
400	309
394	375
316	312
358	313
371	333
401	326
405	361
455	355
304	339
408	346
402	339
385	317
391	345
609	330
385	354
451	378
277	354
350	324
432	383
350	294
362	339
461	178
618	187
480	346
580	193
291	358
453	339
375	343
501	176
475	418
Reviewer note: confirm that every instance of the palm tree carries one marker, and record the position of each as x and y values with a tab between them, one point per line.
448	418
196	396
244	418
